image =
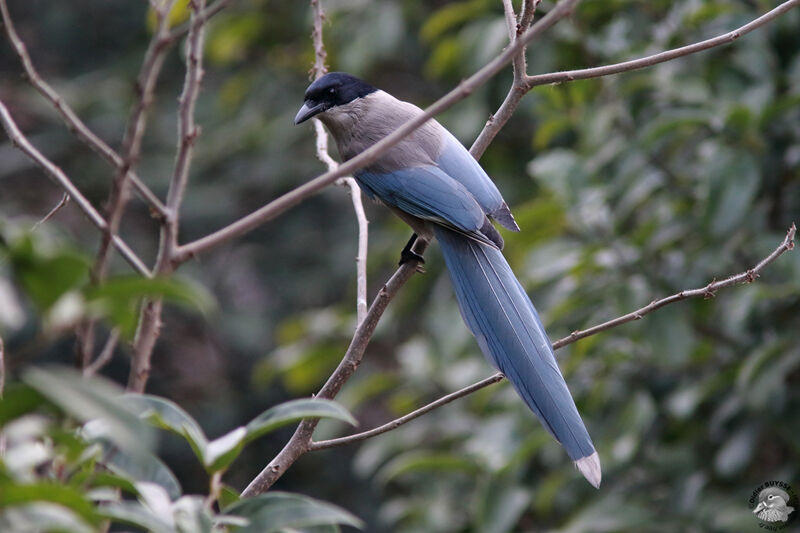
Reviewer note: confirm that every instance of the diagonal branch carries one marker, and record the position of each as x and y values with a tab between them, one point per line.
708	291
294	197
71	119
61	179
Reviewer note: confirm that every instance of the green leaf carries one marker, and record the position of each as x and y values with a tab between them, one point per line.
168	415
143	468
295	410
69	497
227	497
275	511
46	274
92	398
118	298
135	514
221	452
43	516
18	399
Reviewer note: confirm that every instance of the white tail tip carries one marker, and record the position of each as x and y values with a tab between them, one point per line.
590	468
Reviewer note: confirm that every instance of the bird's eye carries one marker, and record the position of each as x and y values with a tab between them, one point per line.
332	91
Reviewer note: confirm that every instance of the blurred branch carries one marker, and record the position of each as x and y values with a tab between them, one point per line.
61	179
131	148
197	21
61	203
105	354
149	326
297	195
708	291
71	119
318	70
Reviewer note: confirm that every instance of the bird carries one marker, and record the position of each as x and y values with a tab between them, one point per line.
433	183
772	505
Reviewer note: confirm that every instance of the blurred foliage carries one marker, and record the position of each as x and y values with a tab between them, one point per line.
627	188
77	456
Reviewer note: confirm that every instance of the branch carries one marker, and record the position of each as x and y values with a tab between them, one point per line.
708	291
70	118
61	179
61	203
292	198
518	86
301	440
318	70
105	354
199	20
149	326
596	72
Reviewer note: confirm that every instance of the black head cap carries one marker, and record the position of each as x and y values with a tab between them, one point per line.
332	89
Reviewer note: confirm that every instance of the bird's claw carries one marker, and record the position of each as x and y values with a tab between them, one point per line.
410	255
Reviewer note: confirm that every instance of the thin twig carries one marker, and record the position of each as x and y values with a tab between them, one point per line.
132	140
57	175
201	19
131	148
105	354
70	118
61	203
149	326
708	291
318	70
292	198
396	423
518	87
625	66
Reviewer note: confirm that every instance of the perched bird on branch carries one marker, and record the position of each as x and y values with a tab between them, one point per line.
433	183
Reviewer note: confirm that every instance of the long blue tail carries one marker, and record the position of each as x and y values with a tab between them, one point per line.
501	316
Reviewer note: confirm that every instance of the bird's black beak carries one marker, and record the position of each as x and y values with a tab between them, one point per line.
308	110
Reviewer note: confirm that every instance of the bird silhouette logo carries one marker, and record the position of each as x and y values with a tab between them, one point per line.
773	505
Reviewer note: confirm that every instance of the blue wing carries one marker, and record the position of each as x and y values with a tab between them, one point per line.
458	163
430	194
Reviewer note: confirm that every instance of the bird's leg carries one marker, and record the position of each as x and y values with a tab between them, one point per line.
410	255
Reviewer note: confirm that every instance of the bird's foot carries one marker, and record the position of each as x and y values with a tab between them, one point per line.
408	255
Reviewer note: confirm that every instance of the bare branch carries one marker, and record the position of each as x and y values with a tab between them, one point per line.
149	326
300	441
396	423
105	354
708	291
318	70
61	179
292	198
199	20
71	119
61	203
726	38
518	86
